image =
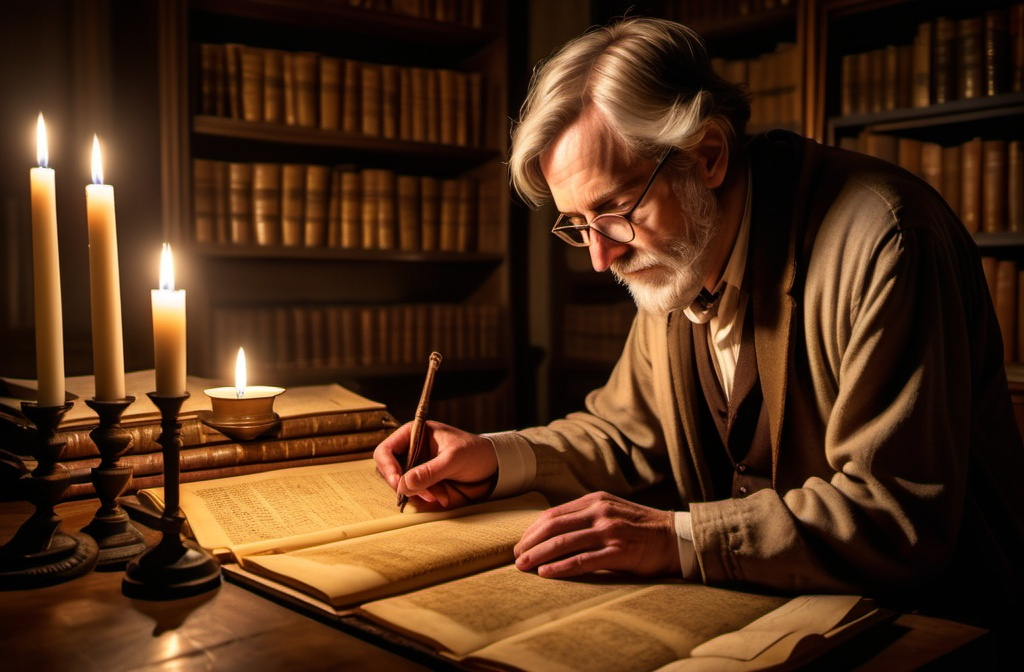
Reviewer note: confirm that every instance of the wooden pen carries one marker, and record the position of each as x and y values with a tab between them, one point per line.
419	421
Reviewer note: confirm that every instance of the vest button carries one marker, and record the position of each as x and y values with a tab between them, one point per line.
741	468
743	489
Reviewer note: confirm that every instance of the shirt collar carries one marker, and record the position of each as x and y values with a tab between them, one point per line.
705	305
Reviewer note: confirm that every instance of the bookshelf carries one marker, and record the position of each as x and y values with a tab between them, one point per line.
762	44
335	195
938	87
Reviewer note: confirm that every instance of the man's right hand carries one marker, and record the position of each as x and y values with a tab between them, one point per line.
461	468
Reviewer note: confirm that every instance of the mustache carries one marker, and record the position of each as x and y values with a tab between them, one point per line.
634	261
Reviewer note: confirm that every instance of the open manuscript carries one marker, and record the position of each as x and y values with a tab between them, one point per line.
511	620
444	580
333	531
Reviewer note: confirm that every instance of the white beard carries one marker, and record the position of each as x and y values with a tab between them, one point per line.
681	264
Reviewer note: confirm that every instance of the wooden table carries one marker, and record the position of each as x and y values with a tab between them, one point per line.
87	624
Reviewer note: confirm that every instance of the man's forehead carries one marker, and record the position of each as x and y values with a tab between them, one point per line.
588	144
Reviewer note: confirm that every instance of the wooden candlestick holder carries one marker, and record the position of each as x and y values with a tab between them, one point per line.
41	553
117	537
174	568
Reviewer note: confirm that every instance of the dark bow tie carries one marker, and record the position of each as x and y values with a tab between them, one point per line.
705	304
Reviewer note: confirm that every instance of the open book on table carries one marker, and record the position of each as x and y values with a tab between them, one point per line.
331	540
334	532
511	620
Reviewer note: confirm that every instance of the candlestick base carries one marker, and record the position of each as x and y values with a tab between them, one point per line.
174	568
41	553
118	539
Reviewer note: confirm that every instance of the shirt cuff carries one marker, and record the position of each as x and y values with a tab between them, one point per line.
517	465
687	551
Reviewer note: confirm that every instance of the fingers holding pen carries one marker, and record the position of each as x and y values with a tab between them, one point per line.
457	466
389	455
460	469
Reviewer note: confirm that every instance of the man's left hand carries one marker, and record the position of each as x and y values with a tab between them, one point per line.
600	531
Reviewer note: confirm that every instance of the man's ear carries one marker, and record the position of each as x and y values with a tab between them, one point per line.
713	156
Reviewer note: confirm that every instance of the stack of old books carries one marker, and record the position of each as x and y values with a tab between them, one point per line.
318	424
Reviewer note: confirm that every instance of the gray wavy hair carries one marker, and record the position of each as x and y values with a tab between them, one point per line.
650	78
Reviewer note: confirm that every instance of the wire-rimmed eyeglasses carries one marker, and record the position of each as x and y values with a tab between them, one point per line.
614	227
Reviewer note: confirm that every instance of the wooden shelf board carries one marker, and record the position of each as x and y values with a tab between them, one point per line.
999	239
230	252
943	114
446	156
356	21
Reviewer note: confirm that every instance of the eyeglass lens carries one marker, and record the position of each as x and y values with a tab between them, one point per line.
612	226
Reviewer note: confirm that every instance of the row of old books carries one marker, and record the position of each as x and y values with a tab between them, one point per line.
291	337
312	90
982	179
318	424
1006	284
462	12
948	59
296	205
596	332
774	82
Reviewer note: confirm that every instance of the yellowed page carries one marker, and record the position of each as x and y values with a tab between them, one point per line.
786	638
515	620
294	508
635	633
462	616
322	399
347	572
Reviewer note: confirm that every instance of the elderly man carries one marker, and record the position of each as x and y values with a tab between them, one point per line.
812	397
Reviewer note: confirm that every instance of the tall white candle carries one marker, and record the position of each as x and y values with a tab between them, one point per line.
46	277
105	286
168	330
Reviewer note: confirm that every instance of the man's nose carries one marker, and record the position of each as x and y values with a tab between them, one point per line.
603	251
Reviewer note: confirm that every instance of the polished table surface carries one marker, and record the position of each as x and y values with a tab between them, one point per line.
86	624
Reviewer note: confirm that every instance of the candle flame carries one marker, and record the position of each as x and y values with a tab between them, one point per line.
166	268
42	151
97	162
240	381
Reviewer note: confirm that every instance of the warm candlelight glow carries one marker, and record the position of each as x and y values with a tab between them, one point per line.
42	151
166	268
97	162
243	411
169	330
46	277
240	373
105	284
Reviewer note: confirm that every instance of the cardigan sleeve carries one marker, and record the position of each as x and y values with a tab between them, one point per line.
617	443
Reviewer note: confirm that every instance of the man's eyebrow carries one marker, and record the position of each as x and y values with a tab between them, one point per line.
599	203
